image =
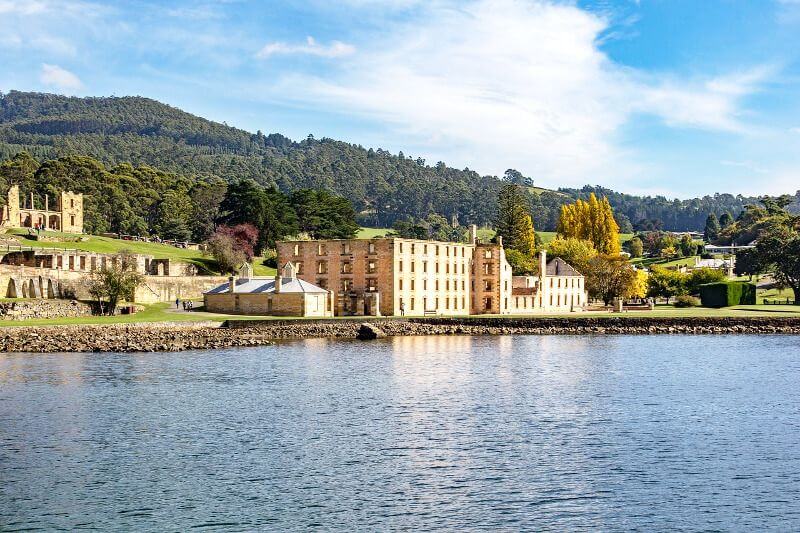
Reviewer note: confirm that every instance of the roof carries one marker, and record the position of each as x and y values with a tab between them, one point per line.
559	267
266	285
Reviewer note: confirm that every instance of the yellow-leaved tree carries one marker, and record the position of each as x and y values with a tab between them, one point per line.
593	221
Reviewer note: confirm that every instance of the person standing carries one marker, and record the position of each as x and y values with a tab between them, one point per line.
177	303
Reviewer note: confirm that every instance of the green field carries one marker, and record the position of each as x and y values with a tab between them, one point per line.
95	243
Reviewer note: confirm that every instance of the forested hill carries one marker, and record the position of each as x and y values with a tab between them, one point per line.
383	187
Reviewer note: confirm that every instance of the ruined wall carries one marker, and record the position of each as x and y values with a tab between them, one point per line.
28	309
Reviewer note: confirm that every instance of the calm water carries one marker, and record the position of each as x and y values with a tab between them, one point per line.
559	433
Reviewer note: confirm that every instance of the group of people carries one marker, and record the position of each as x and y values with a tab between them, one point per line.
188	305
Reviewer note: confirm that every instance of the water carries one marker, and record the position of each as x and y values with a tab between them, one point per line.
526	432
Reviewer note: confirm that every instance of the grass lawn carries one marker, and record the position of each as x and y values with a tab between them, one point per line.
372	233
95	243
160	312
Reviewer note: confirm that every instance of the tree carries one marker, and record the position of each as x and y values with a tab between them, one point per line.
725	220
593	221
574	251
514	223
701	276
779	251
749	263
324	215
712	229
117	280
269	210
638	289
688	246
665	283
609	277
521	264
223	248
636	247
206	197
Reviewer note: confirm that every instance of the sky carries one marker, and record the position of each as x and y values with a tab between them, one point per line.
675	97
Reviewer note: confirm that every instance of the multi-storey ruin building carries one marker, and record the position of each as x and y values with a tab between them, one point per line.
397	276
66	215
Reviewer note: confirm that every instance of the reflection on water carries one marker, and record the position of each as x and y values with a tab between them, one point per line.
522	432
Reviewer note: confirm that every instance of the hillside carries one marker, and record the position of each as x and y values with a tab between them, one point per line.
383	187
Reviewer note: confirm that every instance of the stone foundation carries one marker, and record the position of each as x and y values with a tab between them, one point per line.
182	336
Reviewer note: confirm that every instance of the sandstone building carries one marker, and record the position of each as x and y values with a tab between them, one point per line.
283	295
396	276
67	215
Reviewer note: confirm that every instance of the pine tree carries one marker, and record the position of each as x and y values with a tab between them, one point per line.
712	229
514	223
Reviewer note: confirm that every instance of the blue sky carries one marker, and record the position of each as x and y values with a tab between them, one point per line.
672	97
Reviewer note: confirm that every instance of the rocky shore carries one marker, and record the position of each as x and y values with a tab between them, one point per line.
210	335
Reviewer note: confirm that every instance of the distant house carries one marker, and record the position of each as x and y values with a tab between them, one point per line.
283	295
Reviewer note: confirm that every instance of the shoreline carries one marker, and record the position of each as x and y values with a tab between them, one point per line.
179	336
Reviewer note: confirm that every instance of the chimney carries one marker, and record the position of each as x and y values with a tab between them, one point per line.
542	264
231	284
473	234
500	240
278	281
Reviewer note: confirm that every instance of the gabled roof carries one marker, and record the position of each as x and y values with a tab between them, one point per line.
559	267
265	285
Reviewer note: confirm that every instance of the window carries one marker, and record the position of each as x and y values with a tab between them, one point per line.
321	249
447	268
559	283
401	247
487	285
437	253
424	266
463	268
463	303
411	301
437	267
347	267
551	283
412	266
322	267
372	284
447	251
296	249
463	285
487	254
437	303
412	249
299	267
345	247
505	303
371	266
487	304
72	220
424	284
505	285
371	248
72	204
346	285
400	284
425	249
437	285
412	284
400	266
487	268
447	303
322	282
447	284
424	304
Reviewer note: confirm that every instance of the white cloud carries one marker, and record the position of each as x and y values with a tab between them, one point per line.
61	79
510	83
24	7
311	47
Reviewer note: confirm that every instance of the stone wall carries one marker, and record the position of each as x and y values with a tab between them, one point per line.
27	309
154	289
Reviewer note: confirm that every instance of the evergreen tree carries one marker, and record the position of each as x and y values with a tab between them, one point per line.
712	229
514	223
725	220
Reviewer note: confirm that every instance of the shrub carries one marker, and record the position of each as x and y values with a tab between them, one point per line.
684	300
728	293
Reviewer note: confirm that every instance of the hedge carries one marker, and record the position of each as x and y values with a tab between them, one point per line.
727	293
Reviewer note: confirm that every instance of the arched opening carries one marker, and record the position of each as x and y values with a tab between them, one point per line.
40	220
33	291
12	292
52	289
24	290
54	223
25	220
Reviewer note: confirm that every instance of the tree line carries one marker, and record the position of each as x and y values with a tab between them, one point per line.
384	188
141	200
